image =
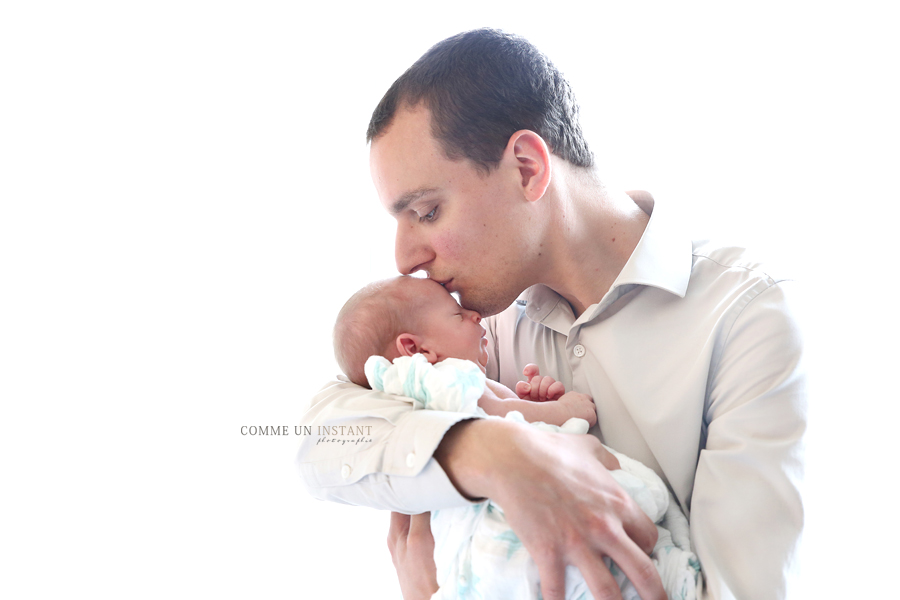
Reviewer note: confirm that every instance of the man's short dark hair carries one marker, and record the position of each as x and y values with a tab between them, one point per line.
482	86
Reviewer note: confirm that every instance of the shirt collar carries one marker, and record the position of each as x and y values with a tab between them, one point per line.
661	259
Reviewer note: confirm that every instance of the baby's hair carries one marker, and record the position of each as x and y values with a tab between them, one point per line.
368	324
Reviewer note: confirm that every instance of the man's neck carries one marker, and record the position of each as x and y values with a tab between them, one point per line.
595	234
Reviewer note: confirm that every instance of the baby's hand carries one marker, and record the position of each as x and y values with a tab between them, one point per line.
537	388
581	406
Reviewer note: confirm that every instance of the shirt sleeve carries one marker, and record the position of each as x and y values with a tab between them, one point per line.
369	448
746	508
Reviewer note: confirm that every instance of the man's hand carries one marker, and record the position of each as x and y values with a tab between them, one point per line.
537	388
560	500
412	550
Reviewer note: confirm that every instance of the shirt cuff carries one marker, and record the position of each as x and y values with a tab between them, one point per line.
431	489
401	476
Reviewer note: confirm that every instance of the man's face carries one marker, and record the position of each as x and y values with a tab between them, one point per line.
446	328
468	231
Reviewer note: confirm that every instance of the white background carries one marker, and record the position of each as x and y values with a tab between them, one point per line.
185	204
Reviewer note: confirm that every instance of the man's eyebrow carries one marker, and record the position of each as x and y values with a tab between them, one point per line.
408	198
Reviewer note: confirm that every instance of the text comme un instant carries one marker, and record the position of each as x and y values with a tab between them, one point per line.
335	430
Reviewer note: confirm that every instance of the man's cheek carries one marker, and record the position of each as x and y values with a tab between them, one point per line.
448	246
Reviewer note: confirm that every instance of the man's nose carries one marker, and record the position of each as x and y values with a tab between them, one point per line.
411	252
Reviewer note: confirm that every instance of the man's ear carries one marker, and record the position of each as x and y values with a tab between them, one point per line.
532	159
409	344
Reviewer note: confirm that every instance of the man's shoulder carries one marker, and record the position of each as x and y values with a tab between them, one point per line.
714	259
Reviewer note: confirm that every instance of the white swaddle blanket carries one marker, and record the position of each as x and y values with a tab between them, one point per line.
476	553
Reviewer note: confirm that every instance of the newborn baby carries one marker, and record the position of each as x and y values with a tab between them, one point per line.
407	316
409	337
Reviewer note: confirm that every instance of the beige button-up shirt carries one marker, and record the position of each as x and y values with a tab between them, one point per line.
694	362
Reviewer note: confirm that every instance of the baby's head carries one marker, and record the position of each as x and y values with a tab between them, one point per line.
401	317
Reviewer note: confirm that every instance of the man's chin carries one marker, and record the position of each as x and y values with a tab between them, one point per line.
485	308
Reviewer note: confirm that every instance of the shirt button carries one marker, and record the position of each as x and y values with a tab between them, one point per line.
579	350
410	460
345	471
462	580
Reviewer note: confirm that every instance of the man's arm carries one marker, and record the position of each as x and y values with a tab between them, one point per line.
746	509
557	495
369	448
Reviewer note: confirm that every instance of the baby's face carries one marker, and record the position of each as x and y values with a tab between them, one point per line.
451	330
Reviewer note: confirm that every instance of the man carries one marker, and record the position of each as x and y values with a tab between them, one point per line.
688	350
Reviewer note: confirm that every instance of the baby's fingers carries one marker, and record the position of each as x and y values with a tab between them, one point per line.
530	390
523	390
544	393
534	392
530	370
555	391
538	388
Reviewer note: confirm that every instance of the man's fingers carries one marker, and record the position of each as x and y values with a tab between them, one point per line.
631	560
637	525
553	578
640	570
599	580
420	526
399	529
642	530
412	551
646	581
631	553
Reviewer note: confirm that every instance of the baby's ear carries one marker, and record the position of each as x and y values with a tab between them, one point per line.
407	344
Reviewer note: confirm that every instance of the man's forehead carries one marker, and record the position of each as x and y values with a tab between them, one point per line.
409	130
402	159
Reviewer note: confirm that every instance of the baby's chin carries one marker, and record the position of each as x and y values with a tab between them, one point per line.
483	357
480	360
